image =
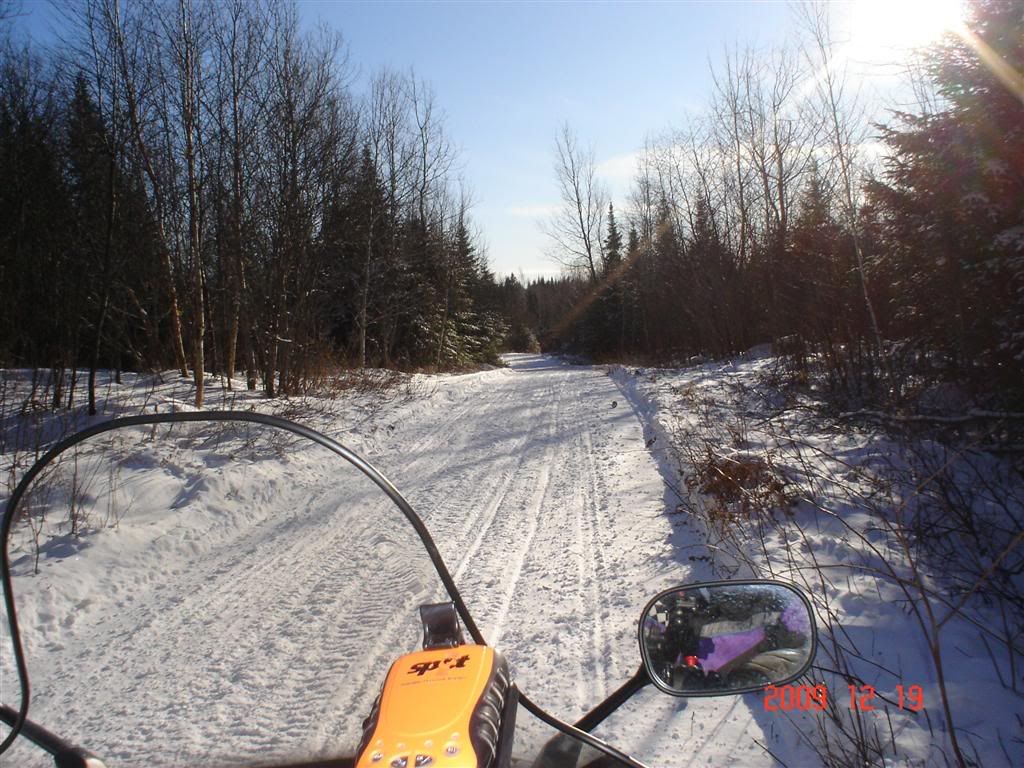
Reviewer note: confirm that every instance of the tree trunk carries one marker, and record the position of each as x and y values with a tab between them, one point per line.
188	119
154	180
105	279
364	298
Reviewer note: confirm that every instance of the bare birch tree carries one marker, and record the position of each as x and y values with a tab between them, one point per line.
576	229
239	43
136	48
845	132
185	73
389	158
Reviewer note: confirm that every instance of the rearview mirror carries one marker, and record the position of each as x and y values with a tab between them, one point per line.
727	637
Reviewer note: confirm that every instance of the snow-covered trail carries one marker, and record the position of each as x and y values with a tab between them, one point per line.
271	639
548	508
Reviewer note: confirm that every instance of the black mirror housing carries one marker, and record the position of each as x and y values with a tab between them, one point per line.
727	637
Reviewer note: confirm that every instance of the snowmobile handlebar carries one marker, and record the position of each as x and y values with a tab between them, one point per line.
65	754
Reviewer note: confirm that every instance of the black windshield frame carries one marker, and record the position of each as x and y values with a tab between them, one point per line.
186	417
252	417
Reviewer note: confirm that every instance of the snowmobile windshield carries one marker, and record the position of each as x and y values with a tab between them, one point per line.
213	593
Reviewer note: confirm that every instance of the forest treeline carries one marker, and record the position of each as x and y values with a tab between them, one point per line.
882	257
193	185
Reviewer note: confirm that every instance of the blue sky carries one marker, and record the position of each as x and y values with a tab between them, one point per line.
508	74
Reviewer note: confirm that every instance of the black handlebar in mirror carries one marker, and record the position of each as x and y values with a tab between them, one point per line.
727	637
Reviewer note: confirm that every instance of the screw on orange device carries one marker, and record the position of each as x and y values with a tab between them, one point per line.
444	707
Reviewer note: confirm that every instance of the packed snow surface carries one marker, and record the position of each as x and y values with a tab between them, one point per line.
907	544
240	595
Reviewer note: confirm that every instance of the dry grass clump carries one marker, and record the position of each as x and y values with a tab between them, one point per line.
736	487
876	520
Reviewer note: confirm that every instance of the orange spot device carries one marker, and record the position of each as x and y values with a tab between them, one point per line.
441	708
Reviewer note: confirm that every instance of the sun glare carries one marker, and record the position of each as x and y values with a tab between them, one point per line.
886	31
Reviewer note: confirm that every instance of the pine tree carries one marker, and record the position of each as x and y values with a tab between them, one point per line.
609	320
714	284
36	268
357	234
93	179
951	207
612	257
637	340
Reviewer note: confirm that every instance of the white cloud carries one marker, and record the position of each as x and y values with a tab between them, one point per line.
533	211
619	170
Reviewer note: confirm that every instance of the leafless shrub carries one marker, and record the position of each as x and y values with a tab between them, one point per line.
738	486
933	529
366	381
77	515
58	502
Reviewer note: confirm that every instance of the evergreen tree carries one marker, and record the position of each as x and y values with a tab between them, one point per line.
468	332
357	233
520	308
714	285
612	245
606	318
37	269
951	206
636	340
94	182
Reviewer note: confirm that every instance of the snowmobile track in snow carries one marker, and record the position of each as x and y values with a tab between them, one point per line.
543	501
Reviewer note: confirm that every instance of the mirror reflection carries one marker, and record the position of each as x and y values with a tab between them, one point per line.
726	637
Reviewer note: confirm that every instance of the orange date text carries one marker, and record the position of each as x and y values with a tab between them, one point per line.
814	698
